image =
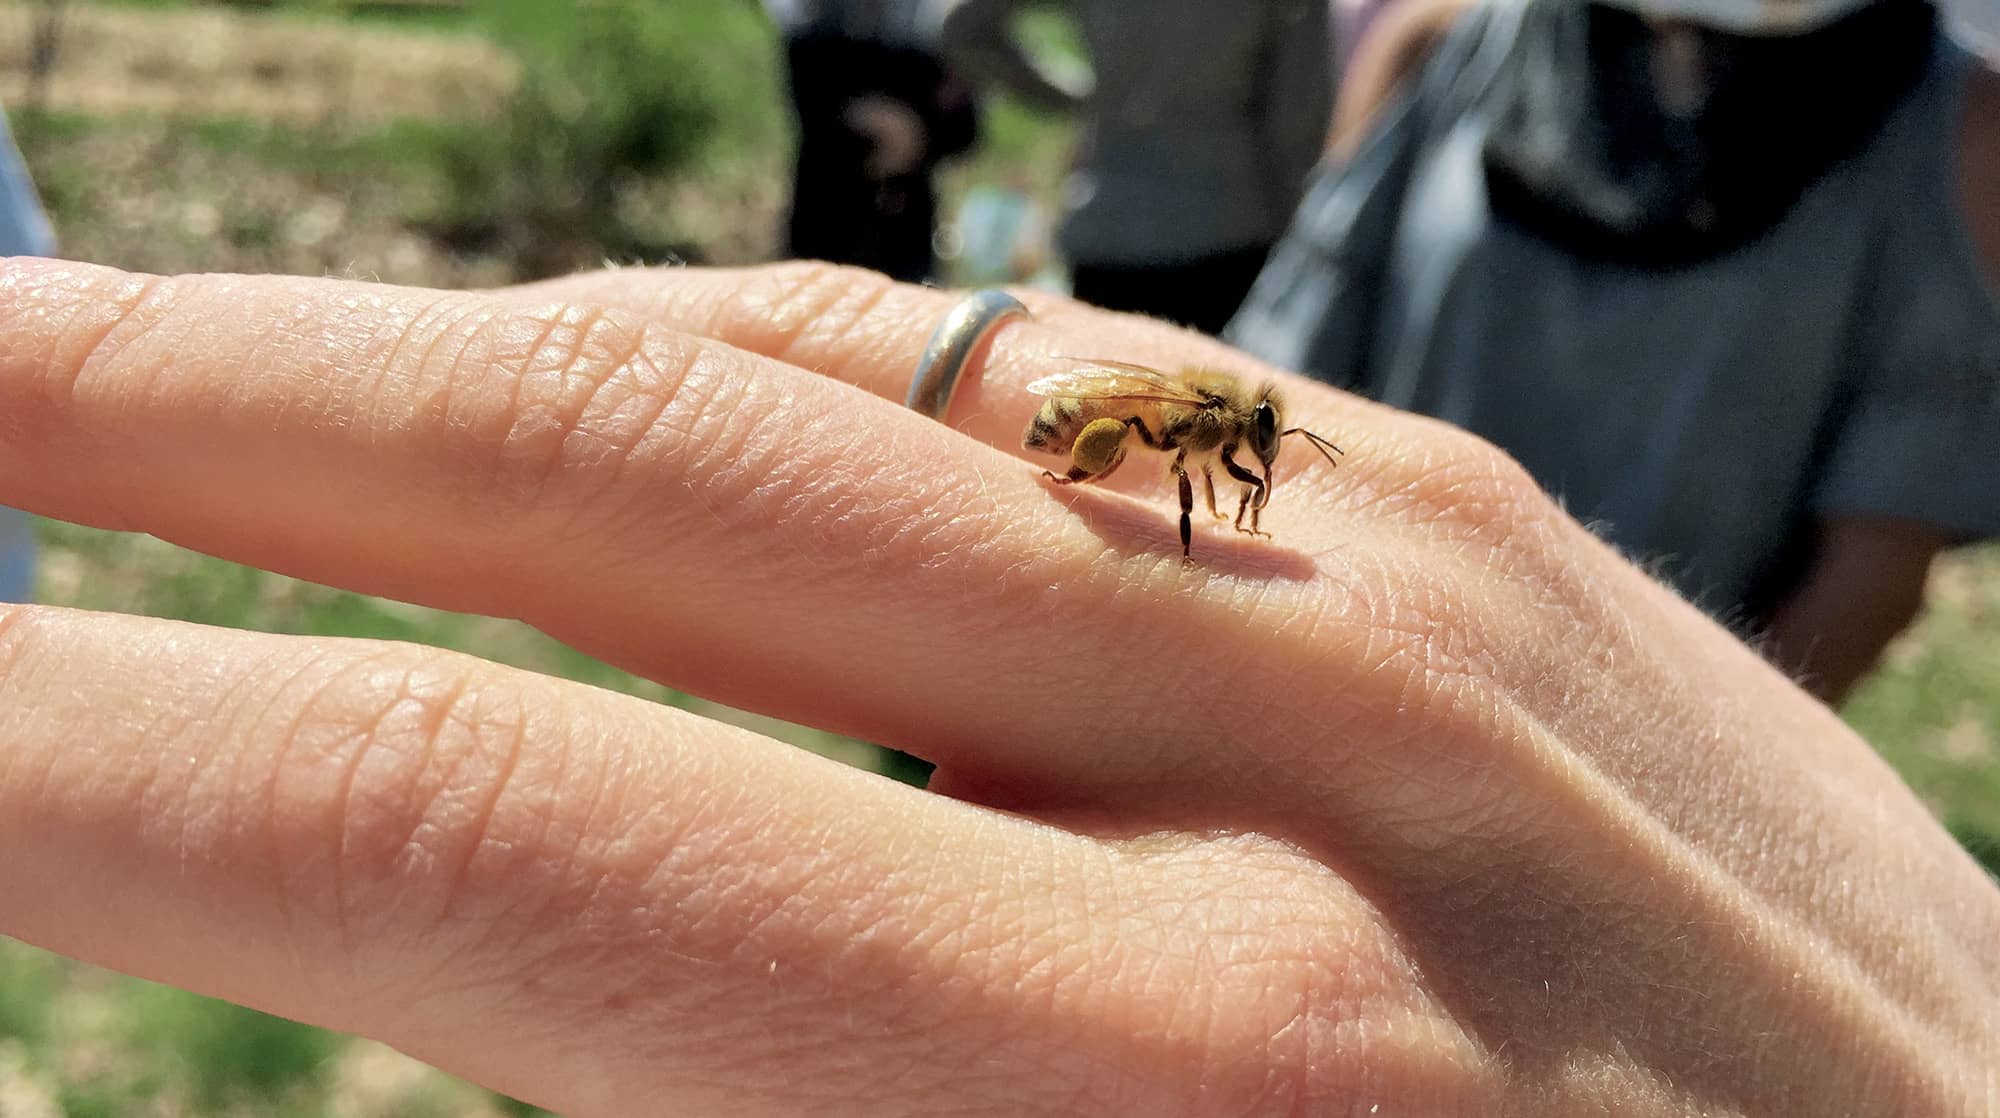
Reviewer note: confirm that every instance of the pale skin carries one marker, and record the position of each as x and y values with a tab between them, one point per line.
1430	804
1865	583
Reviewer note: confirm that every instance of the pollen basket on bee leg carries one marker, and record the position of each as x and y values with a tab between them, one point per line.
1099	445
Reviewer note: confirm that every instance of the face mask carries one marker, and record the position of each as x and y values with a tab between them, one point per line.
1745	17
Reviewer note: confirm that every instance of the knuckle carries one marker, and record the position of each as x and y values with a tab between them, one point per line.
91	319
72	335
548	394
1460	490
566	410
1476	482
830	317
395	775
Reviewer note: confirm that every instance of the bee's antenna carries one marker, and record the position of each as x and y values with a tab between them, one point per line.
1319	444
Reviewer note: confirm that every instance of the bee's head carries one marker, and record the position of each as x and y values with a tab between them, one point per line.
1267	430
1265	427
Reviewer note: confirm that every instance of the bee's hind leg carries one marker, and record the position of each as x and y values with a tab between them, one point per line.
1187	503
1097	451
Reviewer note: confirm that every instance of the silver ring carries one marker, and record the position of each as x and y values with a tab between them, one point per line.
965	327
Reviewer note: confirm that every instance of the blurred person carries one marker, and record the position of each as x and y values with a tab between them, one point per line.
877	112
24	231
1200	124
1724	285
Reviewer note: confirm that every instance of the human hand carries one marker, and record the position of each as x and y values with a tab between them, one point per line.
895	131
1431	805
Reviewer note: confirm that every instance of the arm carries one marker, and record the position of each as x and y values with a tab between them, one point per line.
977	38
1865	584
1866	580
1396	46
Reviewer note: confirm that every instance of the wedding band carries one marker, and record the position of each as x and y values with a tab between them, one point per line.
964	329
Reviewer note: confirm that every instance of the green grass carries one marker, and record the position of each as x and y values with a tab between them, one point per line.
98	1045
1933	707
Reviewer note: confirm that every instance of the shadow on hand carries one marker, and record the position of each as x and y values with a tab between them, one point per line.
1133	526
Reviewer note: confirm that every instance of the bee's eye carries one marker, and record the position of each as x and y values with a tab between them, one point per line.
1267	425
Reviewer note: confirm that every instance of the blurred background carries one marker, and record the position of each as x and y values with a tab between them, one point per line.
479	142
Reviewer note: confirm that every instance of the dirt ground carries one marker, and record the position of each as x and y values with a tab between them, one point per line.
226	62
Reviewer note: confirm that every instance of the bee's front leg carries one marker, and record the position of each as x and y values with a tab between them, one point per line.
1253	494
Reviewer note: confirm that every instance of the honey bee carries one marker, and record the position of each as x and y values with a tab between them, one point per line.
1199	414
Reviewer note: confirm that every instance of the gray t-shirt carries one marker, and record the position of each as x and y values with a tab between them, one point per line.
1847	362
1202	123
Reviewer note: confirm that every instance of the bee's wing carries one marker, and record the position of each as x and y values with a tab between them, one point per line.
1115	380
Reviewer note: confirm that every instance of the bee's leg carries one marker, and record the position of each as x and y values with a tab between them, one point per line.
1156	442
1253	493
1078	473
1187	501
1097	451
1208	483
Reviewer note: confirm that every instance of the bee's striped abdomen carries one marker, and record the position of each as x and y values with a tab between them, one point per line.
1055	425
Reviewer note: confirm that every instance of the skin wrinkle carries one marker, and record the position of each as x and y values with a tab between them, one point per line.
481	406
353	743
856	294
538	411
1303	1079
593	883
100	344
178	739
137	297
268	819
621	429
615	358
412	385
598	377
170	792
483	729
305	375
285	739
361	815
800	296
